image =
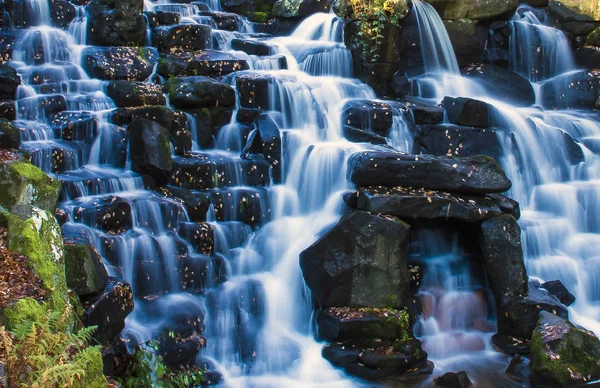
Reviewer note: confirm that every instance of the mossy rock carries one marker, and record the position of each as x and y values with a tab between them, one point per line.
10	136
594	37
258	17
24	183
564	354
84	269
474	9
587	8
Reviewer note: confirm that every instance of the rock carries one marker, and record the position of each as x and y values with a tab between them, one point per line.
10	136
256	8
507	205
563	354
150	149
422	112
209	63
162	18
251	47
299	8
519	368
475	10
76	126
119	63
572	90
253	91
503	84
420	203
574	10
24	183
593	39
8	110
224	20
109	310
588	57
185	36
177	352
84	269
110	213
9	82
268	143
510	345
116	23
502	256
348	266
134	93
200	235
469	38
362	136
558	289
453	140
473	175
41	107
453	380
372	116
198	92
517	315
400	84
62	12
468	112
344	323
379	359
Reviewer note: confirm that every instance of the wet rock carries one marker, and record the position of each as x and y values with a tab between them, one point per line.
503	84
150	149
8	110
467	111
469	38
9	82
518	315
116	23
563	354
429	204
39	107
162	18
119	63
348	266
250	8
209	63
362	136
379	360
24	183
10	136
84	269
510	345
372	116
196	203
76	126
453	380
268	143
343	323
109	310
198	92
558	289
185	36
476	10
572	90
7	42
502	256
299	8
588	57
177	352
519	369
110	214
422	112
473	175
574	10
400	84
593	39
134	93
251	47
507	205
200	235
253	90
452	140
62	12
224	20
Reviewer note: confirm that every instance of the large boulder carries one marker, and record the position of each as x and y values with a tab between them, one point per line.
575	10
9	82
119	63
343	323
134	93
572	90
468	111
185	36
454	140
502	256
84	269
150	149
372	116
267	141
558	289
360	262
116	23
588	57
473	175
198	92
474	10
453	380
468	38
10	135
209	63
502	84
562	354
24	183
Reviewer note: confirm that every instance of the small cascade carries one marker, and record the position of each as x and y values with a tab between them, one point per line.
78	27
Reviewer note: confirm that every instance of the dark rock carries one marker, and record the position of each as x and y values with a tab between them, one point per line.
196	203
563	354
150	149
7	43
421	203
510	345
564	11
249	7
517	315
268	143
452	140
110	213
8	110
84	269
588	57
503	84
253	91
467	111
422	112
224	20
185	36
474	175
348	266
209	63
76	126
502	256
371	116
134	93
300	8
9	82
34	108
507	205
518	369
362	136
572	90
200	235
62	12
119	63
116	23
480	9
469	38
400	84
251	47
453	380
558	289
10	136
343	323
198	92
162	18
177	352
108	312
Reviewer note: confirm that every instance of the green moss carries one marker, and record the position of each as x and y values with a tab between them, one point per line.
26	309
79	269
94	375
258	17
594	37
22	182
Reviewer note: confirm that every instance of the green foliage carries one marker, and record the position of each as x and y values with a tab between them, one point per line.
39	354
146	369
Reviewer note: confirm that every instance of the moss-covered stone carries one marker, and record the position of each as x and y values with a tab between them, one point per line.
258	17
564	354
589	8
94	376
84	269
26	309
24	183
594	37
10	136
474	9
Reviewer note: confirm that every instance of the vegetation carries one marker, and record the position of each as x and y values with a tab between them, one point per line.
41	354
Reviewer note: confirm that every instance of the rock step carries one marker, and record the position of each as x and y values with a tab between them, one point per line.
92	180
211	63
55	156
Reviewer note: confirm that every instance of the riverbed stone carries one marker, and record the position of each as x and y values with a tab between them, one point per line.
359	262
116	23
456	140
150	149
558	289
453	380
119	63
185	36
209	63
134	93
468	111
198	92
